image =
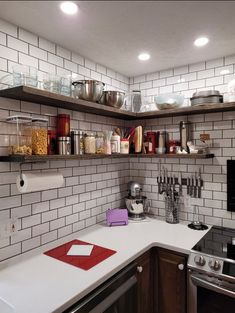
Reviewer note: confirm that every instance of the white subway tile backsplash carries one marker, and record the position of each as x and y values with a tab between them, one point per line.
54	59
166	73
230	59
197	84
17	44
62	52
46	45
47	67
8	53
215	63
38	53
197	67
28	60
28	37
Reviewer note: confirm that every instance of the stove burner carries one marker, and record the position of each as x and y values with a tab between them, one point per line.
198	226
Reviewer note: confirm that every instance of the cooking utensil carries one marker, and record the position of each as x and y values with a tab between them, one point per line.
113	98
90	90
199	184
206	96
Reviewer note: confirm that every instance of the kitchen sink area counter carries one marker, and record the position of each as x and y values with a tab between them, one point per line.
53	286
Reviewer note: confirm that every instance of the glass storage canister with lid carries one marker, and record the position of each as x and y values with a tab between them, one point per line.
20	134
99	141
39	136
90	144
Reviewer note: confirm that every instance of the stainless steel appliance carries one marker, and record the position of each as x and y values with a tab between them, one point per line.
211	273
136	204
117	295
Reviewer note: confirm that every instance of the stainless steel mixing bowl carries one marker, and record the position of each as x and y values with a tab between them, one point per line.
113	98
90	90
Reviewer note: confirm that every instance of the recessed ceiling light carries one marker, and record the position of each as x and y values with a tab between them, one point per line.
144	56
202	41
224	72
69	7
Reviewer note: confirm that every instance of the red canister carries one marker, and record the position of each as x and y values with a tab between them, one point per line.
63	125
151	138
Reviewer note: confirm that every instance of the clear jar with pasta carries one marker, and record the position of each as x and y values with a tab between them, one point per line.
89	143
39	136
18	128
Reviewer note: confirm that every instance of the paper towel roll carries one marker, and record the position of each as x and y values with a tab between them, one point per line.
29	182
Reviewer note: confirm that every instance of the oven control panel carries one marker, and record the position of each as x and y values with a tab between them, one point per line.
211	265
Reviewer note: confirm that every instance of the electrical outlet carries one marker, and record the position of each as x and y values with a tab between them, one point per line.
8	227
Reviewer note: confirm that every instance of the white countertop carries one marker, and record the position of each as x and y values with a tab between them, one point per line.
41	284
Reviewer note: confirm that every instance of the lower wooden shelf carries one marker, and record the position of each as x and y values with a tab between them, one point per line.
44	158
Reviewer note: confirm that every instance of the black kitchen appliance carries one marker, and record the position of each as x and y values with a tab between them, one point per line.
231	185
117	295
211	272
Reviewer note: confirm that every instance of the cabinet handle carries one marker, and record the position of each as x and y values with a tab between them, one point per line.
181	267
139	269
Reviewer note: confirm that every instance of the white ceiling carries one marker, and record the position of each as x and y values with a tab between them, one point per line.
113	33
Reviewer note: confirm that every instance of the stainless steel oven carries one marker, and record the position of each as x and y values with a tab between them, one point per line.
117	295
211	273
208	294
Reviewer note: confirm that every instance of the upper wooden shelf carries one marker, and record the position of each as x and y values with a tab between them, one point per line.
44	158
40	96
36	95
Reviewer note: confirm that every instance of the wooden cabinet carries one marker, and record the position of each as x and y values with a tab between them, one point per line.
170	282
145	279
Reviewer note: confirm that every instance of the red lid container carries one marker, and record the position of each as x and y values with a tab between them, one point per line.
63	125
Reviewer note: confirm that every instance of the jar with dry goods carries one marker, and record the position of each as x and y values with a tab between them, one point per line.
99	142
39	136
18	127
89	143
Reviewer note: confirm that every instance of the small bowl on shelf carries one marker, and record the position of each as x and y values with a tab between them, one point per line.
169	101
113	98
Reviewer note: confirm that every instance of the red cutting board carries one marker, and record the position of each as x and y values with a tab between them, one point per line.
97	255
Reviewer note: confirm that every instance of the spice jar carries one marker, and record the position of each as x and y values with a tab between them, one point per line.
99	142
39	136
151	140
64	145
89	142
63	125
19	128
124	148
51	142
173	146
115	144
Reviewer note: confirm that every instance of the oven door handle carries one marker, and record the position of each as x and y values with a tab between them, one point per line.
207	285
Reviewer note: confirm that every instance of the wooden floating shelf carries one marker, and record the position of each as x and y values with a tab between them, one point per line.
39	96
44	158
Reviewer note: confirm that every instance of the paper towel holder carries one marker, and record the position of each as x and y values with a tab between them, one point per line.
21	171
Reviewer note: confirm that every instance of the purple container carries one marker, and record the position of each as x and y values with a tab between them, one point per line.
117	217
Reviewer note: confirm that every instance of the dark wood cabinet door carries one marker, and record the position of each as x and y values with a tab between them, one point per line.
171	282
145	283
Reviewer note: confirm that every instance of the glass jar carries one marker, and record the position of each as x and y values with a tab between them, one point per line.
39	136
77	146
90	144
124	147
99	142
20	135
51	143
63	125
